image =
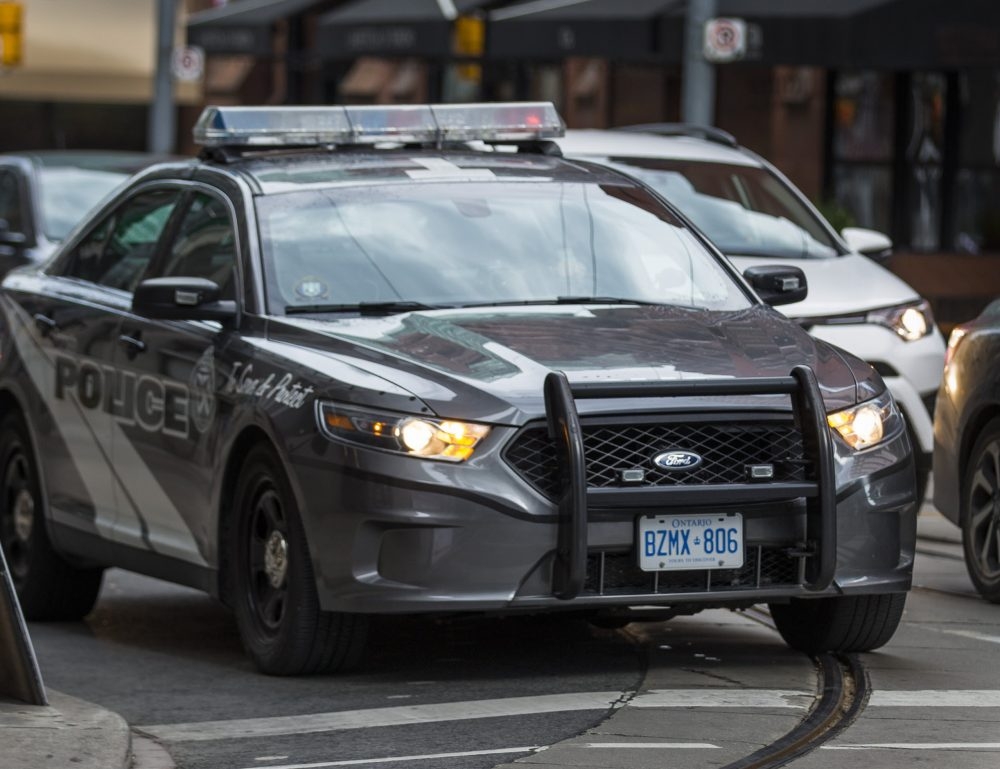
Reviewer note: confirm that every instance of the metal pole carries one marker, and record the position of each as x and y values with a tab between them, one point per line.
19	674
698	86
161	112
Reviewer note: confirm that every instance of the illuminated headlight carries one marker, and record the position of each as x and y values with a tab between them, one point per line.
445	439
868	423
911	321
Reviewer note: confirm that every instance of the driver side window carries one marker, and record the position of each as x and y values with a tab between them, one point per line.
205	245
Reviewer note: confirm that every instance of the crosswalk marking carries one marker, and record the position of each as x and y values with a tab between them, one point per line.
930	698
722	698
994	639
652	745
396	759
917	746
552	703
375	717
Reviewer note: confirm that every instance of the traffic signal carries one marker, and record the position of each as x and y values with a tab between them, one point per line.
11	14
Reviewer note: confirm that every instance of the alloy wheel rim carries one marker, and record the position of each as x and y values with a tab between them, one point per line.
268	545
984	513
18	515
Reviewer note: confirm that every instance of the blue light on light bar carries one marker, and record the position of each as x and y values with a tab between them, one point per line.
407	124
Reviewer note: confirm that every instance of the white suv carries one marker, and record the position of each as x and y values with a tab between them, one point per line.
755	215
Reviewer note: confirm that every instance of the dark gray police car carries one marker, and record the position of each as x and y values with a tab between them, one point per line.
344	365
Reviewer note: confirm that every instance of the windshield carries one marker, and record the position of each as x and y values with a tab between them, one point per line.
480	243
68	193
744	210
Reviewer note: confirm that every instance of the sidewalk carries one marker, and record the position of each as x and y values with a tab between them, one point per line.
67	733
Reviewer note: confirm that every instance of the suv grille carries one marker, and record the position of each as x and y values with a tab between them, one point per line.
726	448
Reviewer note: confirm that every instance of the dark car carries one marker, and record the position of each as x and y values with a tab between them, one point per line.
44	194
344	365
967	446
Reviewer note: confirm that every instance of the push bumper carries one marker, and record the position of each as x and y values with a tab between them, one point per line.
394	534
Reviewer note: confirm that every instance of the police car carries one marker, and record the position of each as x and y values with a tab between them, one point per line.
344	365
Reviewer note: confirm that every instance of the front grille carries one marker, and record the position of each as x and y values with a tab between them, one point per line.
618	574
726	448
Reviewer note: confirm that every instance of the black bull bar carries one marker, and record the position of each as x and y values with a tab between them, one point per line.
575	498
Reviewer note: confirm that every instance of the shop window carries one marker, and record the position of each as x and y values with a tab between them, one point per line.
977	183
862	147
924	156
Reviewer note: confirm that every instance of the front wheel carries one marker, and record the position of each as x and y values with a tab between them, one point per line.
980	514
277	610
857	623
48	587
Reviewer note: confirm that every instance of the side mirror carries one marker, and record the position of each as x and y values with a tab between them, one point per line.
872	244
777	284
9	237
182	298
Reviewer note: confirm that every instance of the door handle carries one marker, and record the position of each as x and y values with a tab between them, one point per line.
132	344
44	323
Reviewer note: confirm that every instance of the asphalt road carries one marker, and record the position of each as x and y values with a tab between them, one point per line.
464	693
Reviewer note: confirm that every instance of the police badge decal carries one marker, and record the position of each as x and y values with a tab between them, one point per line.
202	385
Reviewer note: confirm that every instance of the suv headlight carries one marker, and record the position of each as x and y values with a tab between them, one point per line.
418	436
868	423
911	321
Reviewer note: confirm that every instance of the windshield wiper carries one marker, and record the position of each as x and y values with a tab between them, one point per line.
560	300
364	308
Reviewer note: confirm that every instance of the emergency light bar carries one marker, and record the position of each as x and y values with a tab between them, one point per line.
405	124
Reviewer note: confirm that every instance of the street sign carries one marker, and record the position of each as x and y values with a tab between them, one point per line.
11	30
725	40
188	63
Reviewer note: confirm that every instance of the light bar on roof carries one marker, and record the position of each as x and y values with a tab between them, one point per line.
403	124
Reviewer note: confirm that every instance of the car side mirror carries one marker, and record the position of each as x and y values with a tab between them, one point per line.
872	244
777	284
9	237
182	298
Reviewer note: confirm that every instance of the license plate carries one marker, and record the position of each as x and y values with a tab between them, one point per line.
675	542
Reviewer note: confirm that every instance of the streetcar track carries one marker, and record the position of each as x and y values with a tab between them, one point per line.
846	689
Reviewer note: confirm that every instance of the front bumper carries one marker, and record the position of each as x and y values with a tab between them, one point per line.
394	534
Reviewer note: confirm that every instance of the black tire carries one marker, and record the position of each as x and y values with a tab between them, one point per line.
48	587
283	629
857	623
980	514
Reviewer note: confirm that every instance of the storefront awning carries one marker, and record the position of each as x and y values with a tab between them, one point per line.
243	27
554	29
391	28
804	32
871	34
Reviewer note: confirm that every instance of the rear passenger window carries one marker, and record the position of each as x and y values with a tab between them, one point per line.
10	203
116	253
205	245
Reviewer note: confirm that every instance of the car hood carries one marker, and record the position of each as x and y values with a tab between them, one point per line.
490	364
838	285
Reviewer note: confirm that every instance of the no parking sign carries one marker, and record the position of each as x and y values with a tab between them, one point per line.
725	40
188	63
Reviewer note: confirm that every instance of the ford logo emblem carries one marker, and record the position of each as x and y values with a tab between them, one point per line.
677	460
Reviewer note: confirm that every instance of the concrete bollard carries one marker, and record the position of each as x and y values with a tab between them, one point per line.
20	677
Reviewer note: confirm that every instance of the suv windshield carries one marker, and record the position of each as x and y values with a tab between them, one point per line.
483	243
744	210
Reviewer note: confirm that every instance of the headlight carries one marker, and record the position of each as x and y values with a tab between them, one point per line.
418	436
911	321
868	423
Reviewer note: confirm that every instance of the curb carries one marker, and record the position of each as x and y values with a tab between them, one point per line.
66	733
